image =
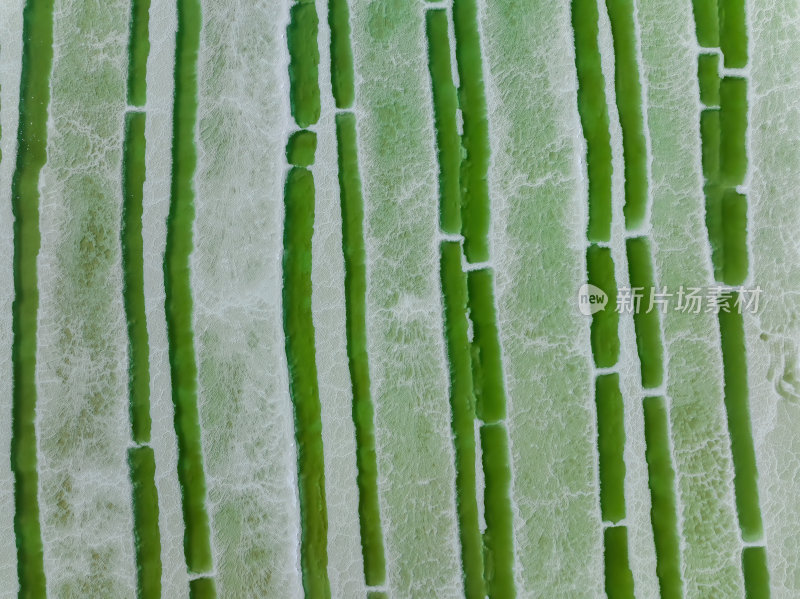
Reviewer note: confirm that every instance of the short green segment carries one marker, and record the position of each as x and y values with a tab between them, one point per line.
708	77
604	337
733	221
475	165
498	539
733	130
183	368
377	595
301	147
133	175
462	402
706	19
737	407
756	574
301	34
714	226
709	136
355	285
645	319
138	50
594	117
487	365
202	588
663	511
733	33
342	73
628	91
37	60
445	106
301	358
619	579
142	464
611	446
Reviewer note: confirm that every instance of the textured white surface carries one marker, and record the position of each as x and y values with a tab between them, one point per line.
245	409
82	407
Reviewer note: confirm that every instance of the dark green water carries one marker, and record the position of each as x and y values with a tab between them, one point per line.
593	111
445	105
178	301
619	579
462	402
611	445
663	510
37	60
629	103
355	286
733	33
301	357
138	50
301	147
708	78
604	337
342	73
706	20
756	574
648	332
141	462
733	130
301	35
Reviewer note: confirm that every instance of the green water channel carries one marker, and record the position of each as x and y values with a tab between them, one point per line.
301	35
605	322
37	60
342	72
355	284
646	324
619	579
138	51
178	301
301	357
611	446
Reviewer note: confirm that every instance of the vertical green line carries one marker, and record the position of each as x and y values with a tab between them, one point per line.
733	33
475	165
756	574
133	175
663	510
355	284
611	446
301	36
301	358
706	18
37	57
141	462
138	50
342	73
178	301
593	112
708	78
605	322
445	107
628	91
619	579
646	323
462	402
498	539
745	480
733	130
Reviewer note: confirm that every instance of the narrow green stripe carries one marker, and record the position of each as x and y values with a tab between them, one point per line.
498	539
706	19
733	33
355	286
756	574
708	78
604	337
663	510
202	588
301	359
733	212
611	446
37	59
475	165
142	464
734	360
178	304
138	51
593	112
445	106
646	324
342	73
629	103
301	34
733	130
133	175
462	405
487	366
619	579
